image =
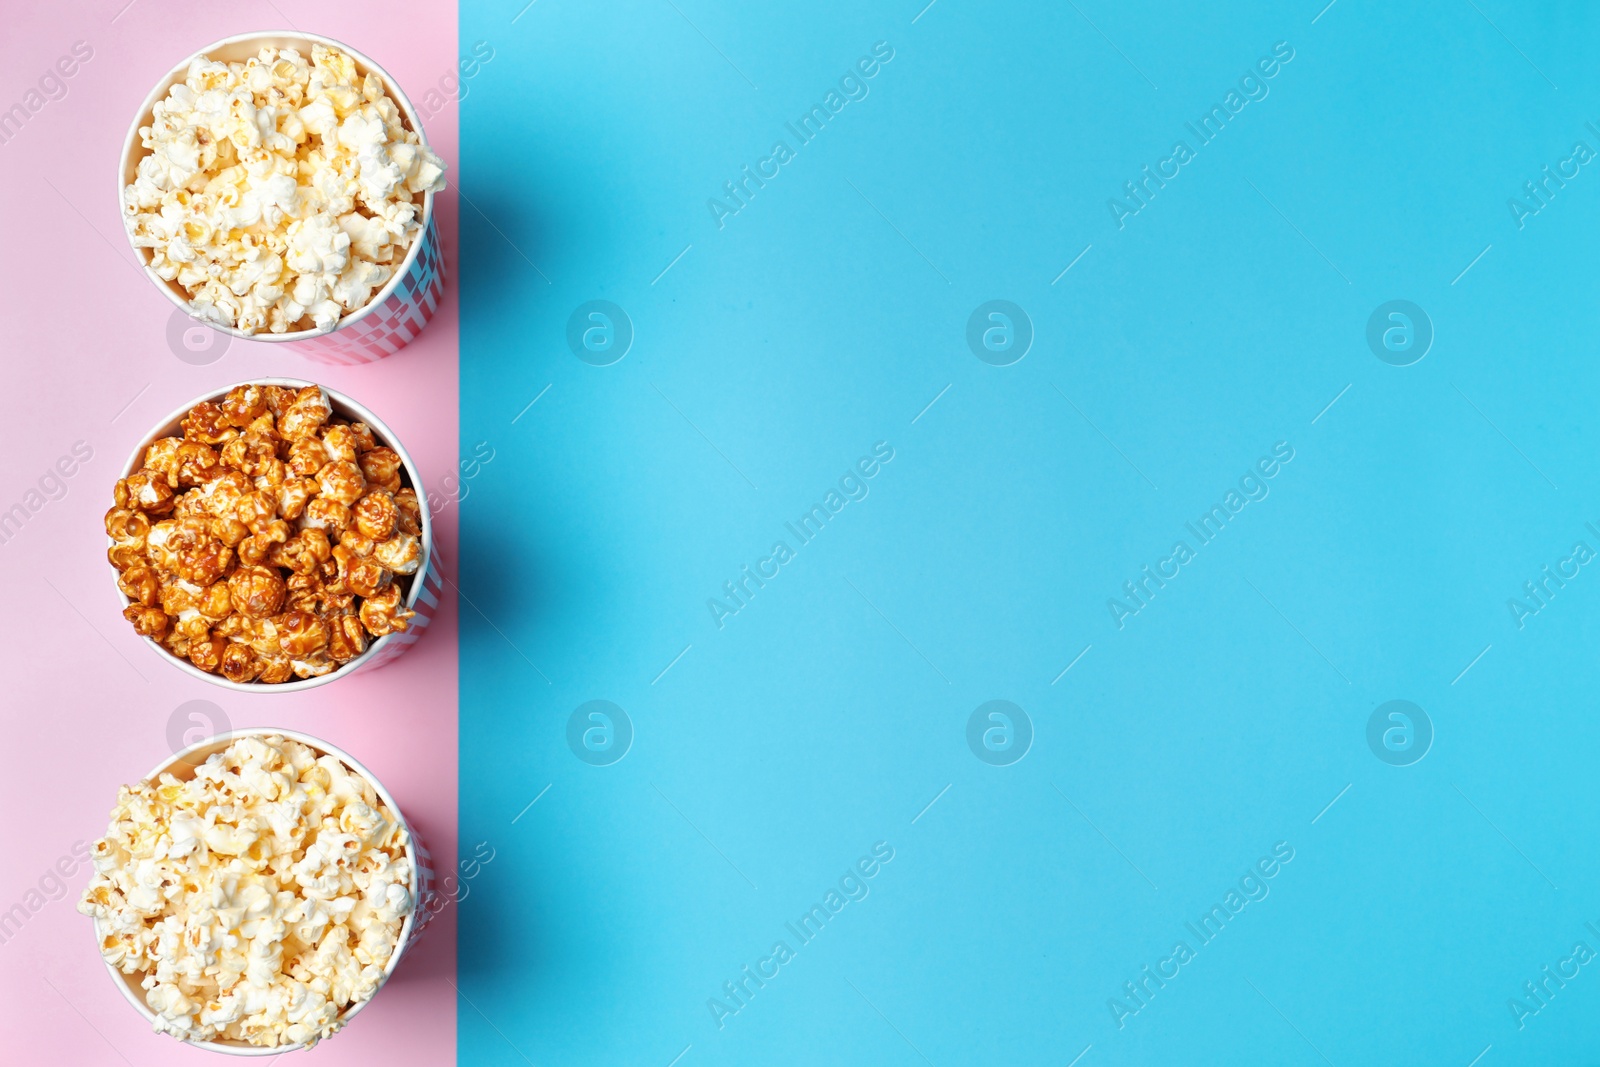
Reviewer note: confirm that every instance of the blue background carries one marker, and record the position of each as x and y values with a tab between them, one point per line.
1222	719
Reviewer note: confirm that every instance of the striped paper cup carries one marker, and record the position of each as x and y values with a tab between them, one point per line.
426	584
423	895
397	312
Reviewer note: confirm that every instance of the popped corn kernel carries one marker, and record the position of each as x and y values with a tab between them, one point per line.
376	514
382	614
256	591
381	467
341	482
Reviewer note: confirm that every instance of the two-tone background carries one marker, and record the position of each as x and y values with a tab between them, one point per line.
840	383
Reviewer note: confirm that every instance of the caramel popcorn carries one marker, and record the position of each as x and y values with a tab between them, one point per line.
259	900
279	193
272	540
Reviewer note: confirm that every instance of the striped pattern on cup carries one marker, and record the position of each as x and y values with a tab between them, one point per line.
422	907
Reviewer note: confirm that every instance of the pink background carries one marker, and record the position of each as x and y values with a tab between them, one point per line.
87	359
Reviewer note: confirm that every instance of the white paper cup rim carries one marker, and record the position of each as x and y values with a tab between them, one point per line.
195	755
132	151
342	405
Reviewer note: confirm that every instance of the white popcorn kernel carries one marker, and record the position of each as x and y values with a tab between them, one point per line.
355	286
401	554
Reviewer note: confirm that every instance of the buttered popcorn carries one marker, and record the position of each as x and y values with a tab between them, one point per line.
278	193
272	540
259	900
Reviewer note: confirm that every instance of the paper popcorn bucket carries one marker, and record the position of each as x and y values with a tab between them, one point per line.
426	584
397	312
182	766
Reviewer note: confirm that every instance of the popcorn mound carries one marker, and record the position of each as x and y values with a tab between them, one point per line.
279	194
260	900
271	541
